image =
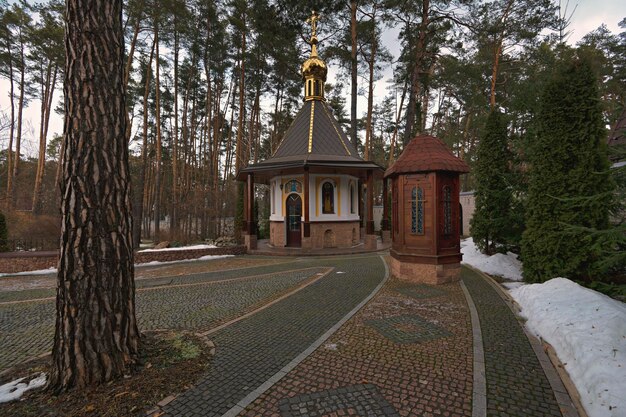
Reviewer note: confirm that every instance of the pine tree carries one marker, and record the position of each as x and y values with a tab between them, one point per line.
3	234
96	338
491	219
568	164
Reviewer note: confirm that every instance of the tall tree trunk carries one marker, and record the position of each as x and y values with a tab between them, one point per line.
371	62
18	137
392	146
494	73
353	75
175	197
157	169
131	52
96	337
420	52
46	106
239	156
12	131
498	40
140	191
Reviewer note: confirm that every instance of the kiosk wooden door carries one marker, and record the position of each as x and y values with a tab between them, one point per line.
294	215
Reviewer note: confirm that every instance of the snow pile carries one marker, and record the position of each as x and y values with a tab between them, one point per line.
202	258
506	266
15	389
193	247
54	270
51	270
588	332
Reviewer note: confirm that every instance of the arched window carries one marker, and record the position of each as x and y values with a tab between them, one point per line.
328	198
318	90
417	211
447	211
310	89
352	198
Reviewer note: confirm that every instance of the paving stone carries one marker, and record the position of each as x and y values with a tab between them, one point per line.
27	328
408	329
516	383
433	377
362	400
251	351
419	291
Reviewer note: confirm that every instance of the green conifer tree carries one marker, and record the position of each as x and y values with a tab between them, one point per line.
567	165
491	223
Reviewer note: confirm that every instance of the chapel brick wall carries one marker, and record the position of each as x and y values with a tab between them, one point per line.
425	273
277	234
340	234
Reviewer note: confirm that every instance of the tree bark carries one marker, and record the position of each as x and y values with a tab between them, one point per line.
239	162
46	106
371	63
20	111
157	170
12	131
392	146
175	197
353	76
140	191
420	50
497	52
96	337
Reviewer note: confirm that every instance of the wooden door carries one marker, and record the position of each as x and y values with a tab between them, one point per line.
294	220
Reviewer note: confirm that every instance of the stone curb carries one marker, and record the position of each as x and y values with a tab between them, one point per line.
562	395
260	390
479	387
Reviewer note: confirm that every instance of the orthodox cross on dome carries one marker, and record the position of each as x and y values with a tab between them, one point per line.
315	17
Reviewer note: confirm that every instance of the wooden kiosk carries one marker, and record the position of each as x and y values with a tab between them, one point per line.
426	244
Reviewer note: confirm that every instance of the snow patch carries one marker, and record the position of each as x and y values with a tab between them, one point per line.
506	266
512	285
193	247
54	270
588	332
202	258
15	389
51	270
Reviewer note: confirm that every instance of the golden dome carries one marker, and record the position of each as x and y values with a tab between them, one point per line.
314	67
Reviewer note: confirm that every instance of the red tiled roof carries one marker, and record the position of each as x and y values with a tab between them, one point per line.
426	153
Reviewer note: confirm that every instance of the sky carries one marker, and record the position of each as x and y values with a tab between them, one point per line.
589	15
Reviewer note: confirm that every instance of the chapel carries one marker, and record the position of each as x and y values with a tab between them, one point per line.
317	179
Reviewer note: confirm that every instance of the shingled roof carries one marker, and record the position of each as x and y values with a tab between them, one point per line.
315	138
426	153
314	135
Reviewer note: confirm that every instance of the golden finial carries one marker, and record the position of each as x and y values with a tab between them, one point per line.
315	17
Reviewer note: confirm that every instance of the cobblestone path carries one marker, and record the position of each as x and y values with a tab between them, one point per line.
408	352
251	351
516	382
194	302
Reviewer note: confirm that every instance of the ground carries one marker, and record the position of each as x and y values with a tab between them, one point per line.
320	336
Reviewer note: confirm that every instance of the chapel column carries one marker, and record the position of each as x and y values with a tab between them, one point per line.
306	226
370	237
